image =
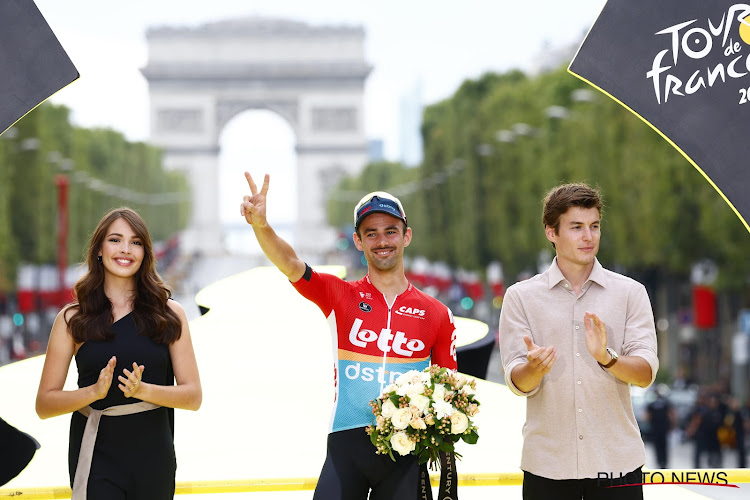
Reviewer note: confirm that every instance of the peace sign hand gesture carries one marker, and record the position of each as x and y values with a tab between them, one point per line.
253	208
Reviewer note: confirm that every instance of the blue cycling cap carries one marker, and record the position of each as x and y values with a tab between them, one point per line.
378	201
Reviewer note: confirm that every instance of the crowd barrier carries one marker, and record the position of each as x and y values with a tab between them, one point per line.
656	476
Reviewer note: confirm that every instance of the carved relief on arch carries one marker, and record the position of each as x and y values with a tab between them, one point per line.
334	119
227	109
179	120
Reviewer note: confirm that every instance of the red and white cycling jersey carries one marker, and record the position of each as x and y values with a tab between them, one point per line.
372	343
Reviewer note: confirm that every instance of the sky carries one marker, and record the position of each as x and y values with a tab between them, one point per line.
431	45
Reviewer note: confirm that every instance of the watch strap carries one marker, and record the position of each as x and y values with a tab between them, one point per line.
612	361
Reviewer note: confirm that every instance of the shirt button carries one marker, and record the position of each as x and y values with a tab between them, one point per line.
579	382
580	437
577	327
580	409
578	354
566	285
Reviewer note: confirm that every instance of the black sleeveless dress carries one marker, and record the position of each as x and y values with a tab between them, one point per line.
134	455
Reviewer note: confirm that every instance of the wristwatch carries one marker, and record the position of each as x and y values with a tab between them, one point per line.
614	358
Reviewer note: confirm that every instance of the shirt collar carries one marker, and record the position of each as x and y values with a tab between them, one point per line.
597	274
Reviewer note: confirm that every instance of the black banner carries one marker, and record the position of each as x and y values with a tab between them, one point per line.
18	449
448	489
683	66
33	64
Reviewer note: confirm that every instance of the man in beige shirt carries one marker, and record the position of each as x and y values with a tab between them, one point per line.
572	341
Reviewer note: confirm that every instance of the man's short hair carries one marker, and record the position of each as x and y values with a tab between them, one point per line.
559	199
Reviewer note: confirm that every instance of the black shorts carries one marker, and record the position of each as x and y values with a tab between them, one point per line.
352	469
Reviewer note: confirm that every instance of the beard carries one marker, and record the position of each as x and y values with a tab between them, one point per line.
384	263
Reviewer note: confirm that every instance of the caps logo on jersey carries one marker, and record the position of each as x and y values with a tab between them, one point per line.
364	306
411	312
400	345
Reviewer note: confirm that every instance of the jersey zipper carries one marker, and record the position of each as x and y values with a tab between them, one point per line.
388	327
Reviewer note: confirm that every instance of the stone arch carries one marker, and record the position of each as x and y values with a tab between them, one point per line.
312	76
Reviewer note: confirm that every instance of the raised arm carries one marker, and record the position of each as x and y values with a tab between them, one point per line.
278	251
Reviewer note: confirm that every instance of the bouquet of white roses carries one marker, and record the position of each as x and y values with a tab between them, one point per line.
425	413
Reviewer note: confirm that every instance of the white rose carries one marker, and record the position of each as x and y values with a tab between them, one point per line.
460	380
390	388
401	443
418	423
411	390
407	377
442	409
439	392
425	378
420	401
388	408
401	418
459	423
468	390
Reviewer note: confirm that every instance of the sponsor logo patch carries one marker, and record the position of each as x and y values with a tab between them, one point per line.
386	341
411	312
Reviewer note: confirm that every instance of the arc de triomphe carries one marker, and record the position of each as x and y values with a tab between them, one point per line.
312	76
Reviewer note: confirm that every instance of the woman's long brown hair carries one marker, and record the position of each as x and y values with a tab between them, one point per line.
92	313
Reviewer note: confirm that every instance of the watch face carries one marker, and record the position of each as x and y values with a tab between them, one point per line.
612	353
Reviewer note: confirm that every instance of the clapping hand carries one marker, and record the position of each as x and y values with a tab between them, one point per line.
540	358
103	383
131	382
596	337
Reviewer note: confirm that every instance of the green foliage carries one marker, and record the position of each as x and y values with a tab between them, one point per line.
103	164
391	177
494	148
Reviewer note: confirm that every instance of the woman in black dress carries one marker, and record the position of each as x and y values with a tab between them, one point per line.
122	325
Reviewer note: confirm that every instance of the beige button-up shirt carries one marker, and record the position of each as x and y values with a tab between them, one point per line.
579	421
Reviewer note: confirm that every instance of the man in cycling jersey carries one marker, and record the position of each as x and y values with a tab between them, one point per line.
382	326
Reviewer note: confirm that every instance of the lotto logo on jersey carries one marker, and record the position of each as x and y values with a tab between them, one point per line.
386	340
412	312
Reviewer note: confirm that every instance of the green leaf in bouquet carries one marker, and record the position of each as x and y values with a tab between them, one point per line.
471	438
446	446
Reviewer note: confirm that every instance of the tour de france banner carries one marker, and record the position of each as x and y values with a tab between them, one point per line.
33	64
683	66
